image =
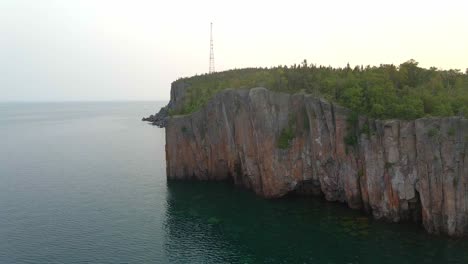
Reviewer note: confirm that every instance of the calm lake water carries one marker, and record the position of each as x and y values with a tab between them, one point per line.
86	183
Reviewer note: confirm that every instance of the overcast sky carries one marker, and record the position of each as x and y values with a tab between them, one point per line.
132	50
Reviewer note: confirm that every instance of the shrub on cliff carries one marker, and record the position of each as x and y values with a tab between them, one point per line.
285	138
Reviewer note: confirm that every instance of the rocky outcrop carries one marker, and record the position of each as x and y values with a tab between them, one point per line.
160	118
276	143
178	89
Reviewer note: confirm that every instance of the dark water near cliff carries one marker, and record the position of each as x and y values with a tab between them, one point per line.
85	183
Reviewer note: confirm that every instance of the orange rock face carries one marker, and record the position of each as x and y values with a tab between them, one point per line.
394	170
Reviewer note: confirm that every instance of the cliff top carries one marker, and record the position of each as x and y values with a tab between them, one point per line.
406	91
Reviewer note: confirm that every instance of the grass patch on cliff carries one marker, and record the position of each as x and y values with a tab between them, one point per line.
365	129
306	123
351	137
389	165
434	134
360	172
351	140
285	138
289	133
451	131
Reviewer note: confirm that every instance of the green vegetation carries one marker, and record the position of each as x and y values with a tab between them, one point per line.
451	132
306	120
285	138
360	172
366	129
433	132
387	91
388	165
288	133
351	138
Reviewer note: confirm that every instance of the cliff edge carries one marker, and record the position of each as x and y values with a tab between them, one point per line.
178	89
276	143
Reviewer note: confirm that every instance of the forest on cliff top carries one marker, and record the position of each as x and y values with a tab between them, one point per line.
387	91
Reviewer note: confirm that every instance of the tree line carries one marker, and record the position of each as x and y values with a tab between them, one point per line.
406	91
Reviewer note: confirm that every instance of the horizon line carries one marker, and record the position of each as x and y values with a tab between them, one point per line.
81	101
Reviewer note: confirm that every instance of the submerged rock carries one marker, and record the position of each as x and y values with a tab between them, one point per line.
276	143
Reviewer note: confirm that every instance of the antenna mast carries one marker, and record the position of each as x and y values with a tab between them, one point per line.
212	65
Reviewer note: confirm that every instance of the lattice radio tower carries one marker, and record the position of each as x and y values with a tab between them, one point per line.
212	65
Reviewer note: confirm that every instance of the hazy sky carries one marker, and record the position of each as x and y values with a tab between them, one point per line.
133	50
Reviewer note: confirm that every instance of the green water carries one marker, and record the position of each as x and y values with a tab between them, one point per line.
86	183
233	225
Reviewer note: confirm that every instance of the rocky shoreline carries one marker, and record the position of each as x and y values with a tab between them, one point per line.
159	119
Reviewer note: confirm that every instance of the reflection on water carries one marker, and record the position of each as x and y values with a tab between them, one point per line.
217	222
86	183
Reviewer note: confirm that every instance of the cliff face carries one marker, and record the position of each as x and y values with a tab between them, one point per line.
160	119
394	170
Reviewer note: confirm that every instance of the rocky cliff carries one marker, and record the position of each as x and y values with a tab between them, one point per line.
275	144
178	89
